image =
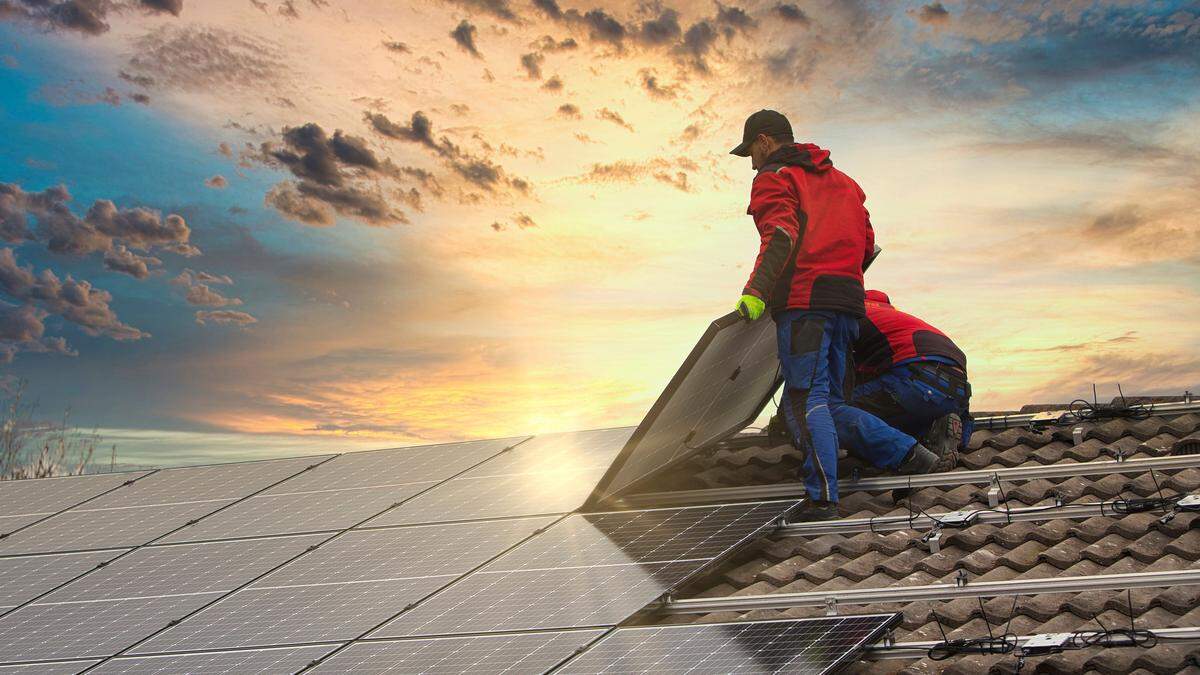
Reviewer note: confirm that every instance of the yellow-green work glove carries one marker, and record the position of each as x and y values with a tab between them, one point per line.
750	307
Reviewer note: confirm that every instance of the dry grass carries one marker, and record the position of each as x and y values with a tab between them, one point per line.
33	448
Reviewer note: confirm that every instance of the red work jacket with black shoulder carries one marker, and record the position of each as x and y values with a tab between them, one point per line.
815	232
887	337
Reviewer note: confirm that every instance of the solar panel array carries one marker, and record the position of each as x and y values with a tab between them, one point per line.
721	387
452	558
804	646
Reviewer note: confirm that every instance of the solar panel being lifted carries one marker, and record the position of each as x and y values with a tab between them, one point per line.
724	383
805	646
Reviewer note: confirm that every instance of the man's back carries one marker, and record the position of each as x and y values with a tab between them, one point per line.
834	237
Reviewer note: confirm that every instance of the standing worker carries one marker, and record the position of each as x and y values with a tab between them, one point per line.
914	377
816	236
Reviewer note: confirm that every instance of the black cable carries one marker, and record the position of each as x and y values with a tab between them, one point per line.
1126	506
1115	637
1001	644
1086	411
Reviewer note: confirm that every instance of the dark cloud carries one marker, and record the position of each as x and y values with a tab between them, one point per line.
311	154
83	16
523	221
614	117
75	301
547	43
733	20
661	31
367	205
121	259
1121	220
173	7
398	47
549	7
499	9
934	13
791	13
569	110
602	27
203	58
102	228
697	42
478	171
139	98
532	63
217	182
464	34
22	330
657	90
227	317
554	83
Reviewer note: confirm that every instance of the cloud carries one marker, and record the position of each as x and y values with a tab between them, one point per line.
203	58
614	117
656	90
532	63
173	7
216	182
198	292
464	34
398	47
547	43
121	259
499	9
226	317
669	172
791	14
338	174
662	30
475	170
555	83
22	330
102	228
934	14
76	301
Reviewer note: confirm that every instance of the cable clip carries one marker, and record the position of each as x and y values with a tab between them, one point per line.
831	606
961	579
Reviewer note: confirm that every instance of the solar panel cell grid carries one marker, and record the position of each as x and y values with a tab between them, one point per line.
26	577
44	496
65	668
116	606
553	452
312	511
277	660
655	535
151	507
395	466
548	598
810	647
526	653
345	587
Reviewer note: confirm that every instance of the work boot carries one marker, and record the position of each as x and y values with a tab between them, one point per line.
918	460
812	510
943	440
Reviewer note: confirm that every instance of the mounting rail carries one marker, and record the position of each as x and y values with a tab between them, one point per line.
1064	416
969	589
919	650
948	478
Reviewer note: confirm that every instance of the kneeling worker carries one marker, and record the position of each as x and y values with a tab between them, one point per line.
912	376
816	236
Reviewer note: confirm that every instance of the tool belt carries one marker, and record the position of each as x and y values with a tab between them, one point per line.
948	379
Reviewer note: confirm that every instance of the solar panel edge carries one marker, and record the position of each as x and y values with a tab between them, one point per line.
602	490
877	632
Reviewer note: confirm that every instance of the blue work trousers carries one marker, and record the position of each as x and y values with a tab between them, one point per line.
815	352
912	395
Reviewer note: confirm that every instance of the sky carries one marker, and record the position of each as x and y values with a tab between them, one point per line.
240	227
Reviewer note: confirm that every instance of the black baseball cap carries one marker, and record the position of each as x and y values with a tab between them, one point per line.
767	122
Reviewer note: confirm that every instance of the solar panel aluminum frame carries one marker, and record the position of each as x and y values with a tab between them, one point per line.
602	494
881	632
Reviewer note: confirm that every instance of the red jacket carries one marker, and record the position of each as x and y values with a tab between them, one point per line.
888	336
815	233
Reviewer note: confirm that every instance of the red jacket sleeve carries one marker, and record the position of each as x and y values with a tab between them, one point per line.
776	210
